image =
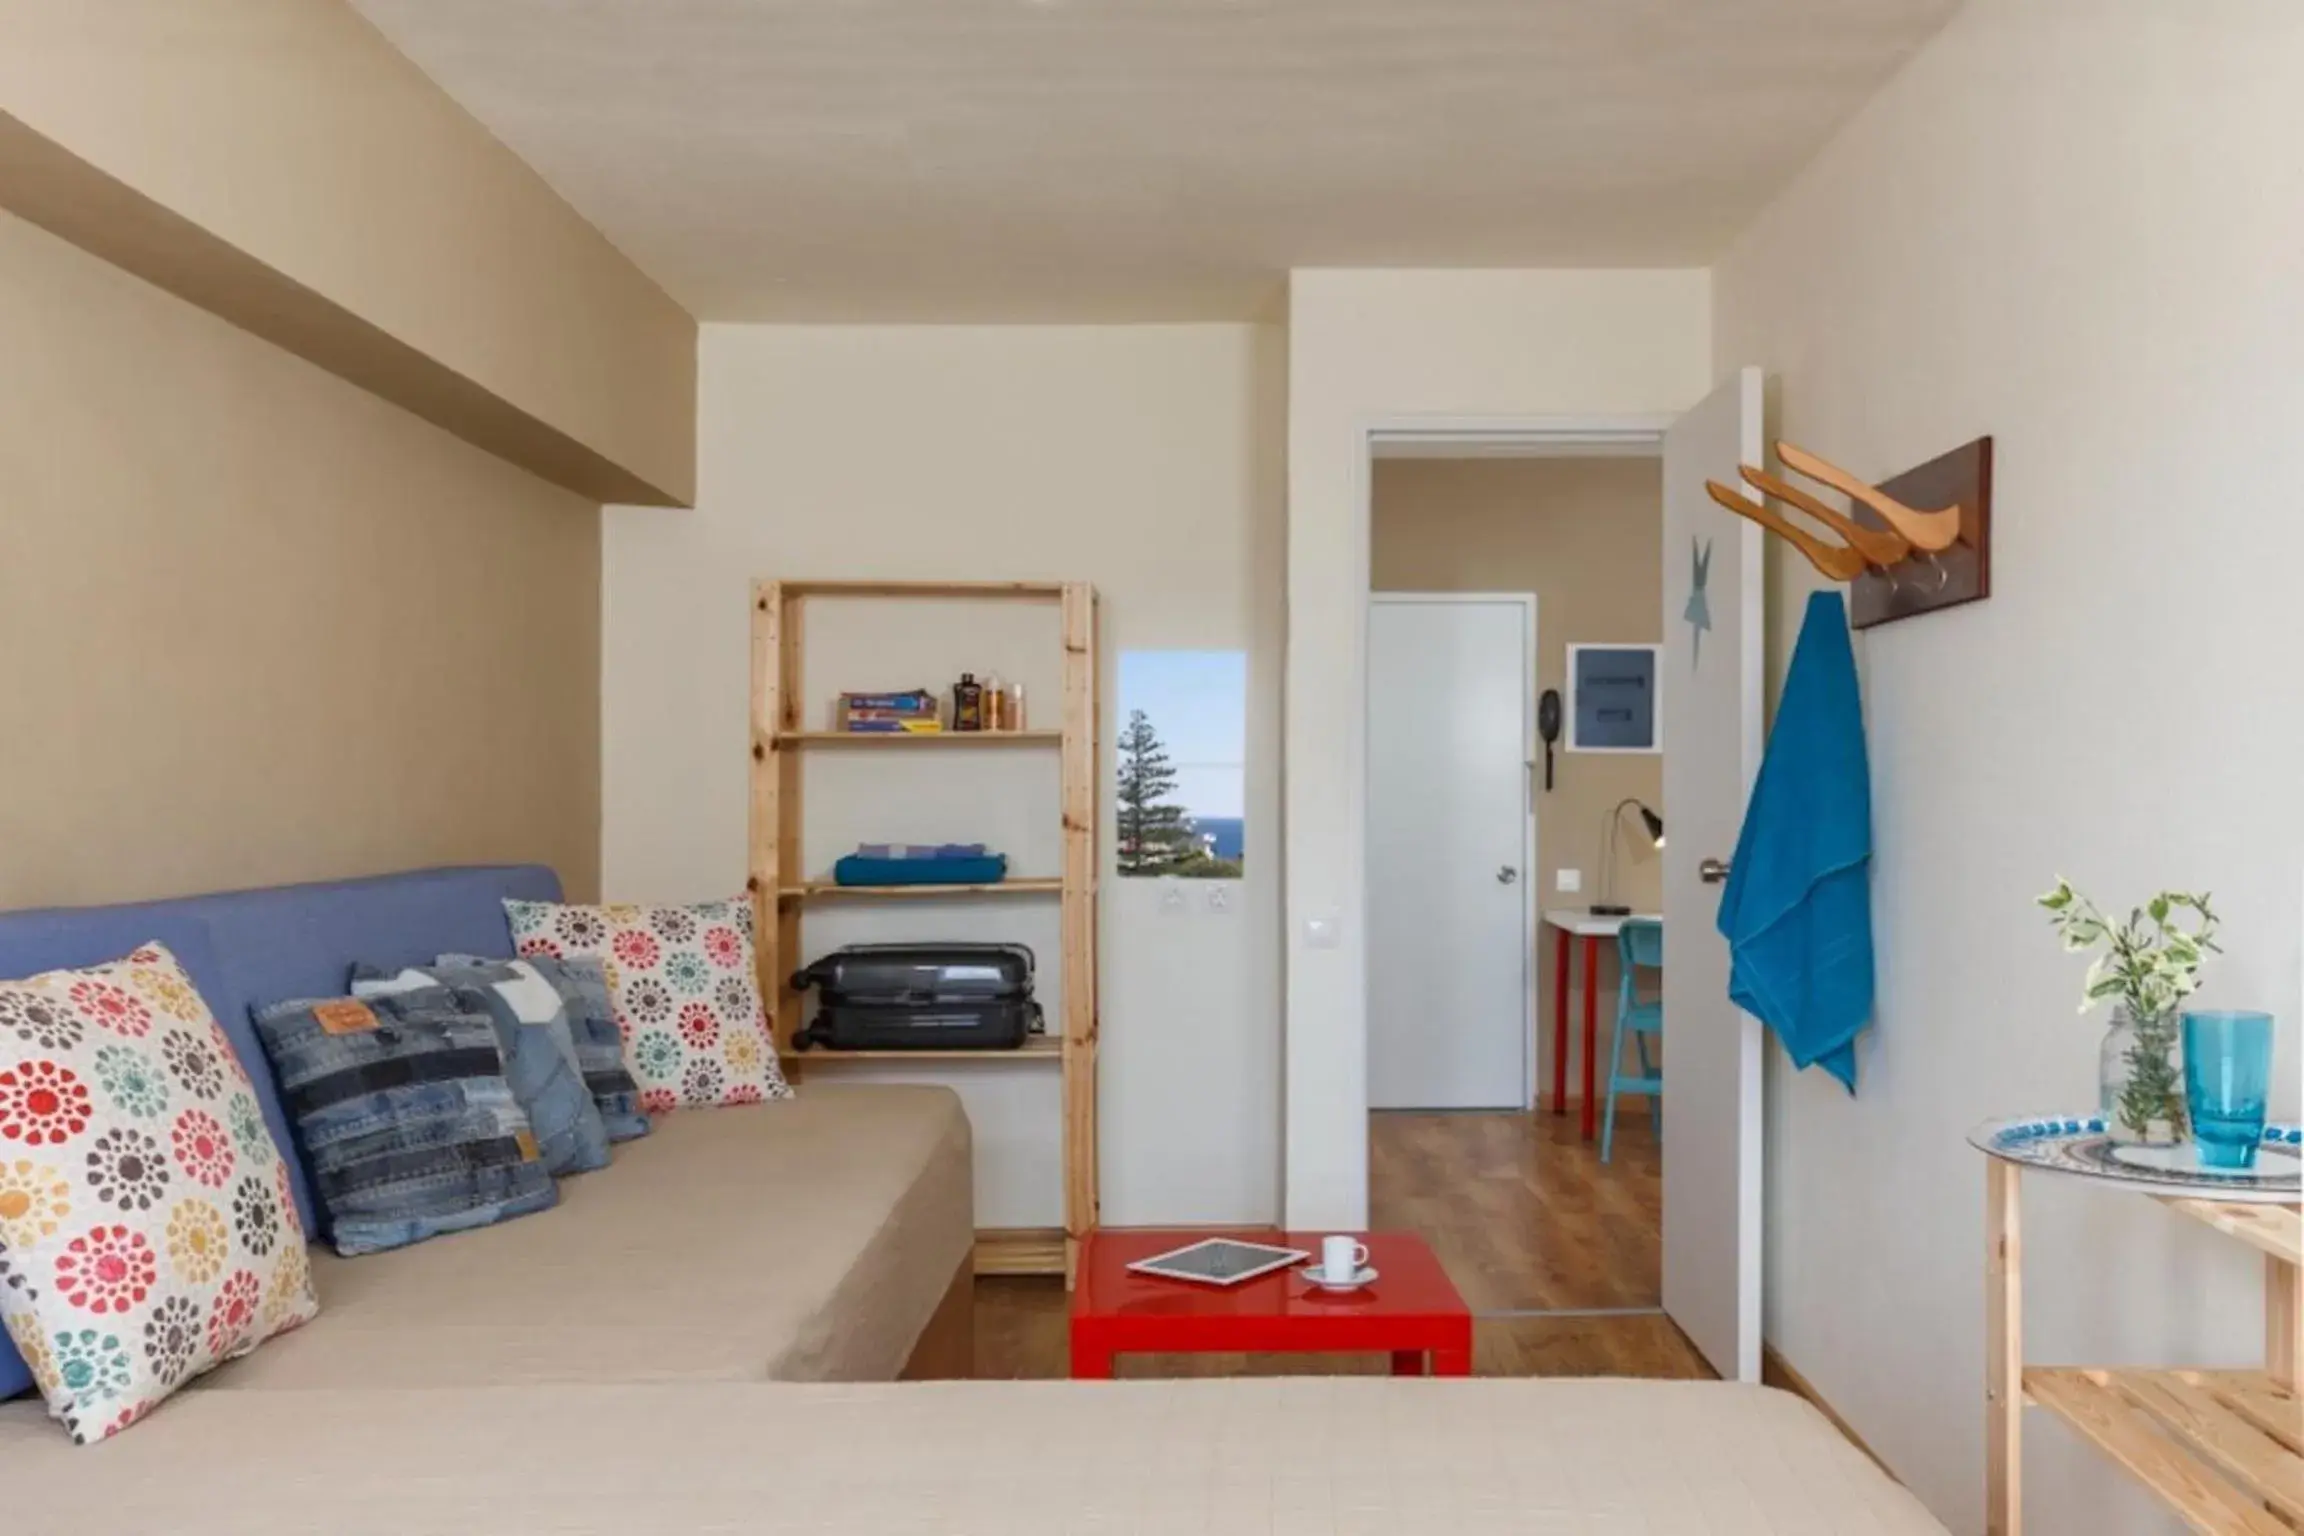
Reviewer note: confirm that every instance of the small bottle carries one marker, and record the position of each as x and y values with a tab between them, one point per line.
1012	713
995	703
968	704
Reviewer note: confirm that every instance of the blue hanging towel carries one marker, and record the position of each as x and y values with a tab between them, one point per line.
1797	911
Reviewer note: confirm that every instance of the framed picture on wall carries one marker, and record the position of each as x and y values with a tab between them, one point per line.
1613	703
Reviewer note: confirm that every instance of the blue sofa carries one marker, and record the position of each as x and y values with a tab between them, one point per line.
252	947
827	1237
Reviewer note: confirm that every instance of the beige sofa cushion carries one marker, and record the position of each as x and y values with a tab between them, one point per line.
809	1239
1309	1457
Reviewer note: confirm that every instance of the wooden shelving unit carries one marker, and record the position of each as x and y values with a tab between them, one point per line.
2224	1449
780	888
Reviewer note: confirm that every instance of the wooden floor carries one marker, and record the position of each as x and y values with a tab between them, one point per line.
1522	1212
1524	1218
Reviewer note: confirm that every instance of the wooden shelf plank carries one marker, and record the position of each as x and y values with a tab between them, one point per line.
1038	1048
820	889
920	739
1030	591
2191	1411
2277	1229
2095	1403
2259	1399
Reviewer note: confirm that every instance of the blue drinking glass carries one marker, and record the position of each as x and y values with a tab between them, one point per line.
2227	1077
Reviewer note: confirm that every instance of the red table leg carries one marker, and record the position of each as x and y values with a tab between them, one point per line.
1560	1024
1456	1361
1090	1362
1407	1362
1591	1034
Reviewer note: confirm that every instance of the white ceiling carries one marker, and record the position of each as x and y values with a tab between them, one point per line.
1147	159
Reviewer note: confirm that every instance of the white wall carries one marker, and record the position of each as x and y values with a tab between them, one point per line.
1381	346
2074	225
1142	459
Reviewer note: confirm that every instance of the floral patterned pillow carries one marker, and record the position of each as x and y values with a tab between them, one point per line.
685	989
147	1232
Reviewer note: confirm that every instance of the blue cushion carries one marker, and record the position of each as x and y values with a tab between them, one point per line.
583	989
539	1049
404	1115
246	947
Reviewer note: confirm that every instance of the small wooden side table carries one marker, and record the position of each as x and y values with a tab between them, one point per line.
2224	1449
1411	1311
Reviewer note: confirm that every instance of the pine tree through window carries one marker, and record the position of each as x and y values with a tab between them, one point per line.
1180	764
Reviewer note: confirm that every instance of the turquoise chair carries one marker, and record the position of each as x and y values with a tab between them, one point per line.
1639	946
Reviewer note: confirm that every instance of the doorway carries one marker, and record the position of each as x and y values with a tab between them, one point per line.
1490	574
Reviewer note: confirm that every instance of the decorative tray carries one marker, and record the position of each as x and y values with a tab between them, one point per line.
2077	1144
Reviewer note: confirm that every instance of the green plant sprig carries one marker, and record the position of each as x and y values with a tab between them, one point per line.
2151	962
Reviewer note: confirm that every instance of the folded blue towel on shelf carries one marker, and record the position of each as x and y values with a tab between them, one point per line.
1797	911
862	869
921	850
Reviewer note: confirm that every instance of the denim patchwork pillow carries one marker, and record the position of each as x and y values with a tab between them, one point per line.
539	1053
583	989
407	1124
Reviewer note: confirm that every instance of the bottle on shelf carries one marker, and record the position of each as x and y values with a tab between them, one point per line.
995	704
1012	713
968	703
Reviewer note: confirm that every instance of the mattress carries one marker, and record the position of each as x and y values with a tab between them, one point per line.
1348	1456
808	1239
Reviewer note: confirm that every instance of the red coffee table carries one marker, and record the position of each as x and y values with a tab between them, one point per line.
1411	1311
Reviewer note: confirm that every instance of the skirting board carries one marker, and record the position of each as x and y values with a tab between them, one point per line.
1020	1251
1776	1371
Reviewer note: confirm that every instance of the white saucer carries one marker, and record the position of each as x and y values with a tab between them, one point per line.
1311	1273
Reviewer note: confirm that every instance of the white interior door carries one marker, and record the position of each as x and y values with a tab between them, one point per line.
1712	730
1450	694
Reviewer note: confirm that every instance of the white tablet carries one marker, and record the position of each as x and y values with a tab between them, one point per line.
1219	1261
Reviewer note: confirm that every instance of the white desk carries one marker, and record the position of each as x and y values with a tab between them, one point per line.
1572	923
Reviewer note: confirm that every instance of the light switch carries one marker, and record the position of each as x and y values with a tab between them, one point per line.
1567	881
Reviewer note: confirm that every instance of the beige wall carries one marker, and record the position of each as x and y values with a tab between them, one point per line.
261	626
1391	348
2071	224
278	161
1144	459
1584	536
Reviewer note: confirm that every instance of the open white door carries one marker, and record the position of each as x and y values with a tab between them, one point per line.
1712	730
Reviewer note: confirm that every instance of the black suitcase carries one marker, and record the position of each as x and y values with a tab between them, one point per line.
925	997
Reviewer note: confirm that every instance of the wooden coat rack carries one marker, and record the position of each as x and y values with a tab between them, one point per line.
1910	545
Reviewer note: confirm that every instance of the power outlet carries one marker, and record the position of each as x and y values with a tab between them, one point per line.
1568	881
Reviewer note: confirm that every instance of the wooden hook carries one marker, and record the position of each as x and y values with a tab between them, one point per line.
1879	547
1836	561
1930	531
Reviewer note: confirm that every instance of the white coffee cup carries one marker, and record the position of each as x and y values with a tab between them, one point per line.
1341	1258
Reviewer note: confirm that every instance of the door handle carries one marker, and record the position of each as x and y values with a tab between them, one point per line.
1712	871
1507	875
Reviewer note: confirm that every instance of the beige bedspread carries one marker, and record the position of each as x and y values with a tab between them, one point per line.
806	1240
1263	1457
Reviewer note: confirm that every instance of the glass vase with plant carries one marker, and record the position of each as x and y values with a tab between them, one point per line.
2146	966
